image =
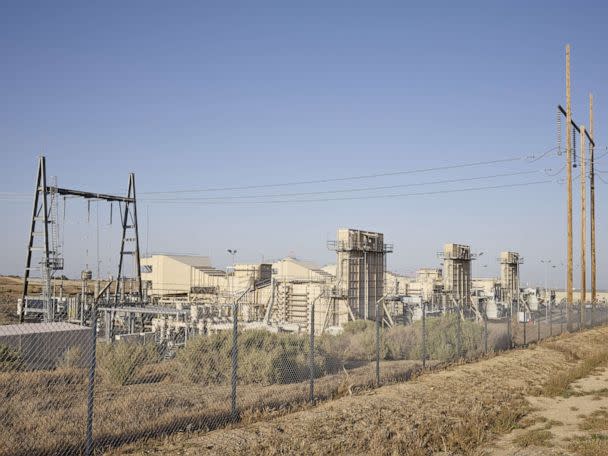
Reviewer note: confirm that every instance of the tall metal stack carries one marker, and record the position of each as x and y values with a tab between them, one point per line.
509	275
360	269
457	274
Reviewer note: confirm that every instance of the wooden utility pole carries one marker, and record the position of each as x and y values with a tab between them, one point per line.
583	228
592	196
569	297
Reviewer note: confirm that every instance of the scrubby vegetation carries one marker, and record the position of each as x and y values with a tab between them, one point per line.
263	358
277	358
10	359
534	437
358	341
120	362
72	358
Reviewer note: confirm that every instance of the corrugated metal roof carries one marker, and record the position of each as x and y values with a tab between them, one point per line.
190	260
308	265
37	328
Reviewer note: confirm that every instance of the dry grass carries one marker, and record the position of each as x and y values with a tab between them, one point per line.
534	437
446	412
593	445
595	422
155	402
559	384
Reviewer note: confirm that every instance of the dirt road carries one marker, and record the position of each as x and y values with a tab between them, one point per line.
461	410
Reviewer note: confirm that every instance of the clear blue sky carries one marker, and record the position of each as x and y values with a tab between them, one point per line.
202	95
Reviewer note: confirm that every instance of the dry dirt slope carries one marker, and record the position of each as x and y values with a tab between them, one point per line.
455	411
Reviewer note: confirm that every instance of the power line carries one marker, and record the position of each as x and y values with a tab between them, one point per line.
8	196
559	171
341	179
602	179
543	155
395	195
527	159
324	192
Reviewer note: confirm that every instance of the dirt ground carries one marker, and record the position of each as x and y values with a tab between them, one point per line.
466	409
565	424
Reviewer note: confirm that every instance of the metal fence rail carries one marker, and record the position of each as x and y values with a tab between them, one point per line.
64	389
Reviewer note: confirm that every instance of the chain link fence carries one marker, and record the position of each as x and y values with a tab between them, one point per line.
72	389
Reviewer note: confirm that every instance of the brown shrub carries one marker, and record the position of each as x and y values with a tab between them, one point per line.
120	362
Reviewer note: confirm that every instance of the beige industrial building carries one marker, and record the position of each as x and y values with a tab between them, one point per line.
509	275
360	270
286	294
173	274
428	284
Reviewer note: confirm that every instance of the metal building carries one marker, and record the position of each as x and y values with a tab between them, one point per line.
43	345
509	275
457	274
360	269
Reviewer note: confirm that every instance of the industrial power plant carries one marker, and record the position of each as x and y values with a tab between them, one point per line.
348	237
172	298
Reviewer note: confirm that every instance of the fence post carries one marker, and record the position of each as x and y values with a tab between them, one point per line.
234	359
377	344
538	329
561	319
485	334
525	324
458	332
311	354
423	334
550	319
509	318
91	388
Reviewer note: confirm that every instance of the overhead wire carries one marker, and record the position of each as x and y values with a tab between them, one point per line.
340	179
395	195
602	179
526	159
543	155
324	192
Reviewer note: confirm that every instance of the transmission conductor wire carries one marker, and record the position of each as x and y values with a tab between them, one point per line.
395	195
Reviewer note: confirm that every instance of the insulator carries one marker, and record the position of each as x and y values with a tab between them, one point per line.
559	132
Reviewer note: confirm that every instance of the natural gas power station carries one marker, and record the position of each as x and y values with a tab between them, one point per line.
170	298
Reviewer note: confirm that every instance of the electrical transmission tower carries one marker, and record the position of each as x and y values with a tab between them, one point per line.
44	238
